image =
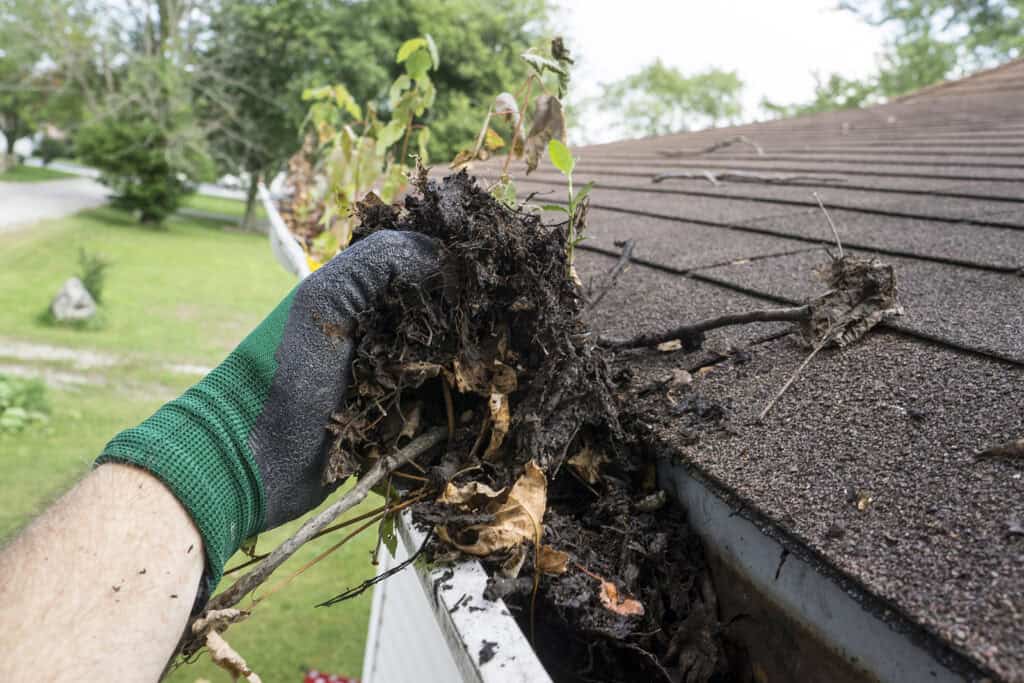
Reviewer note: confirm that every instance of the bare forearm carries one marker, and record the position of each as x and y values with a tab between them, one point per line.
101	585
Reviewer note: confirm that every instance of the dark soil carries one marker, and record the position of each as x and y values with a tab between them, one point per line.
503	319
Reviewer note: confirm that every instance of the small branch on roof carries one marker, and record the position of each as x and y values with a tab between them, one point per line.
830	223
744	177
721	144
692	334
1010	449
612	276
792	378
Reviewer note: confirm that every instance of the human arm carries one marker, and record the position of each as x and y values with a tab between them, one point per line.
101	585
241	451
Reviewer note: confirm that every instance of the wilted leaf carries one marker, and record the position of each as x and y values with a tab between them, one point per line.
539	62
500	417
551	561
620	604
462	158
516	520
587	463
492	140
561	157
474	495
511	567
505	192
471	376
505	105
408	47
862	293
548	123
555	207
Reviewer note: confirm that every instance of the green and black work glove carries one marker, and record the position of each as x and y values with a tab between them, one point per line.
244	449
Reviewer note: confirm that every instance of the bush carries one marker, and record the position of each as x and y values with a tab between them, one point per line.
132	157
92	273
52	148
22	403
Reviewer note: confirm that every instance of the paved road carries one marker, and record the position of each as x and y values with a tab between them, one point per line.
25	203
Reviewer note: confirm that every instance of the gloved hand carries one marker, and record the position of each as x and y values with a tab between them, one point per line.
243	449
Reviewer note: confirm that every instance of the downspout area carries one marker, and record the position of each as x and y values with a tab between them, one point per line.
793	618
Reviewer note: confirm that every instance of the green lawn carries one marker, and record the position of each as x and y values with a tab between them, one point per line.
187	293
221	205
32	174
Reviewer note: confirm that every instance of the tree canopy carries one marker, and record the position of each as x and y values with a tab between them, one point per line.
660	99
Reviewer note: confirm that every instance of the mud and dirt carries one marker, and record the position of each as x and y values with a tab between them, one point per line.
543	476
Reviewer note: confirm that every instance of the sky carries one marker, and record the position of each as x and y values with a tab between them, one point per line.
774	45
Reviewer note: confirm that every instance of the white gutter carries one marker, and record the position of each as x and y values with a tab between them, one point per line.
284	245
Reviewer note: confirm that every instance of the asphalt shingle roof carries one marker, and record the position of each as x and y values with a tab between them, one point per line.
932	183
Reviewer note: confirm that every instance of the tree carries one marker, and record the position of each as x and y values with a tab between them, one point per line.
835	92
932	40
261	56
660	99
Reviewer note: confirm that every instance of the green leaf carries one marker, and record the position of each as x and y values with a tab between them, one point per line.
387	534
432	48
323	92
540	62
492	140
408	48
555	207
389	135
505	192
581	194
345	101
561	157
422	140
394	181
418	64
249	546
401	84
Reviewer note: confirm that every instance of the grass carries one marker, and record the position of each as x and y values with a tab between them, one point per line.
221	205
182	293
32	174
187	293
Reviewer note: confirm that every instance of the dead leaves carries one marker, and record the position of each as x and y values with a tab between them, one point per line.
619	603
552	561
587	463
548	123
517	517
862	294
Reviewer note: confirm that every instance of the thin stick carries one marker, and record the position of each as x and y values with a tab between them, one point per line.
792	378
376	473
745	177
830	223
693	330
448	406
613	275
518	126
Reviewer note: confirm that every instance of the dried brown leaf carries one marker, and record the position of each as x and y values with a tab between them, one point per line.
587	463
471	376
516	519
511	567
670	346
548	122
551	561
862	293
475	494
505	105
503	378
500	419
619	603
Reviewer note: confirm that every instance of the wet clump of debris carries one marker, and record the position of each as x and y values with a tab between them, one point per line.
538	477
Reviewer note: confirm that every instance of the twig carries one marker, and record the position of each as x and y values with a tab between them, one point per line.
721	144
613	275
693	331
793	377
370	583
448	406
743	177
830	223
309	530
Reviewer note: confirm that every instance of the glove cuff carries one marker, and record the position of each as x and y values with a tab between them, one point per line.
197	445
